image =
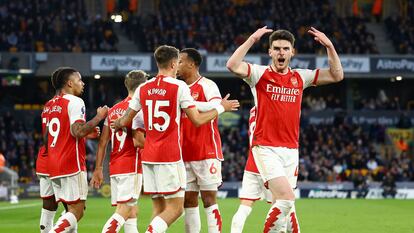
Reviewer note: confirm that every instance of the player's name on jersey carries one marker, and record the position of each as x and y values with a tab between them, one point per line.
157	91
56	109
45	110
117	112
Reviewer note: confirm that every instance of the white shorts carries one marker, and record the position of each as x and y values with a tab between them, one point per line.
273	162
166	180
203	175
125	189
253	188
71	189
46	189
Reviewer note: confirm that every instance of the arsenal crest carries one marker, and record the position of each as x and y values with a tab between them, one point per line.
294	81
195	95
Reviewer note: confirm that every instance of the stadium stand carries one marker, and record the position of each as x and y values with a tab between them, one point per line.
191	25
53	26
400	28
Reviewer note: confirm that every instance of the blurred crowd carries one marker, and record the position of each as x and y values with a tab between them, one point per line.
401	30
221	26
53	26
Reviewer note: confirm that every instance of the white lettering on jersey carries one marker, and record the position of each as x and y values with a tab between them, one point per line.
283	94
157	91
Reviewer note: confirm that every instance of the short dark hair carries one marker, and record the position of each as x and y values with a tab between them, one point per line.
134	78
61	76
194	55
164	54
282	35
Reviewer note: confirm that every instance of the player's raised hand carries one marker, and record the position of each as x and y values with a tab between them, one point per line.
101	112
320	37
259	33
230	105
97	178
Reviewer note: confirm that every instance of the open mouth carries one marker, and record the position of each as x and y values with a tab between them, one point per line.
281	61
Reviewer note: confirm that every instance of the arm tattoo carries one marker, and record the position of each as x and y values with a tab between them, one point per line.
123	121
81	129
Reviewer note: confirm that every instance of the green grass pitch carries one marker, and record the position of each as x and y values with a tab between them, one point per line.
315	216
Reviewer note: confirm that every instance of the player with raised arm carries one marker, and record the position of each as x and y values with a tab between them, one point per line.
162	100
253	188
277	90
66	146
202	154
124	169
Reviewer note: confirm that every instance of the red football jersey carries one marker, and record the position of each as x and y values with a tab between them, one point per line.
66	154
124	156
278	99
250	164
161	100
204	142
41	161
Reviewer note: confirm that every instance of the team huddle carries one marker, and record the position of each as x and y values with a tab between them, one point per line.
164	138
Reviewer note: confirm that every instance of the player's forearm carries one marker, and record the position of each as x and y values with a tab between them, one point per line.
81	129
236	59
207	106
102	145
335	66
205	117
125	119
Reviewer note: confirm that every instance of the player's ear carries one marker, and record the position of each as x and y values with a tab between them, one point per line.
69	82
174	63
293	51
270	52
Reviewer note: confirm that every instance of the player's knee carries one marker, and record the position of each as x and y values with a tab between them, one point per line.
284	195
124	210
209	199
190	201
50	204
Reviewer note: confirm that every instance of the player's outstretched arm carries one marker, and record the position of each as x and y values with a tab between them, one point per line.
97	177
81	129
125	120
201	118
235	63
335	73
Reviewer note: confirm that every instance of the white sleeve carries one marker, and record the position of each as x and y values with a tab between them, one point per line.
135	103
106	123
254	73
76	110
309	77
185	99
207	106
138	121
210	89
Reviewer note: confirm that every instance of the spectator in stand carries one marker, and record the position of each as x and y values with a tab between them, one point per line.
389	186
